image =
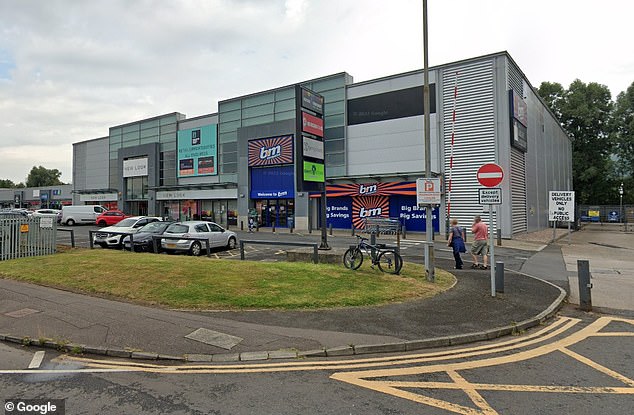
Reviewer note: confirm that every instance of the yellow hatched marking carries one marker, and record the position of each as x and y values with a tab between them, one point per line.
472	392
599	367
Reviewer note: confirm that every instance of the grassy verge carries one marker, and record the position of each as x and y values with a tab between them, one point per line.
202	283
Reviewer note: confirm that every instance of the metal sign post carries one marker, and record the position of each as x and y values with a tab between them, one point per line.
491	197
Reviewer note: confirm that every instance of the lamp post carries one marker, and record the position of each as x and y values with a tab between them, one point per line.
621	206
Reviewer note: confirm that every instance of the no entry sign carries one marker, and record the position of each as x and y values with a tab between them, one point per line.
490	175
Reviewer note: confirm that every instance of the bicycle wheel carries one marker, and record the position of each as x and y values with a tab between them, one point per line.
390	262
353	258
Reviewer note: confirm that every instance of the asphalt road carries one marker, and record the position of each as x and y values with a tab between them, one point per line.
581	363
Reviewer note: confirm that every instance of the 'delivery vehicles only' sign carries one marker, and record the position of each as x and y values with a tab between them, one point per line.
561	206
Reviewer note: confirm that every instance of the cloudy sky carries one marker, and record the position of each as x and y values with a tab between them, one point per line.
69	69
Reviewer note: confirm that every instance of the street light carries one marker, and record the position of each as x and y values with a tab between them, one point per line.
621	196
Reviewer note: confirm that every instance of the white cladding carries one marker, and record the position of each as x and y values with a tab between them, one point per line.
391	146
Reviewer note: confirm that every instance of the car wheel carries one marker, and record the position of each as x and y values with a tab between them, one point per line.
231	244
70	222
195	249
102	223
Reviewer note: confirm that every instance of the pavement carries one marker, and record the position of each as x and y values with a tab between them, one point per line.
46	317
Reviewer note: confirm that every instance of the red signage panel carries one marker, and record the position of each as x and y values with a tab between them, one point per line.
312	125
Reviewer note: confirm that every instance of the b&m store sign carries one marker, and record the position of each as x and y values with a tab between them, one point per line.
271	151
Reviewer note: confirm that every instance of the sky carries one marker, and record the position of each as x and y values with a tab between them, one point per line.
71	69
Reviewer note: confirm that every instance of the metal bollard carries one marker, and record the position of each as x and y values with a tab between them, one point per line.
241	225
330	229
585	296
499	277
273	229
352	230
404	231
499	236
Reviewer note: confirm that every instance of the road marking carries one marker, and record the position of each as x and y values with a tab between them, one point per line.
371	379
37	360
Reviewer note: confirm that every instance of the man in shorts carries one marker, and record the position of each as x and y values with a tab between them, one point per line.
479	246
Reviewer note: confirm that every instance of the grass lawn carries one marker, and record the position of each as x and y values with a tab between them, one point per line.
201	283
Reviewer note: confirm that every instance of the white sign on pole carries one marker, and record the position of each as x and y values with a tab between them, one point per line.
561	206
490	196
428	191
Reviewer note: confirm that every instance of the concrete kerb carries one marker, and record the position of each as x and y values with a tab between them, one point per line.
349	350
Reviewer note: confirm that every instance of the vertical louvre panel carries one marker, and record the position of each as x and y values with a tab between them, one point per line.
518	191
515	79
474	143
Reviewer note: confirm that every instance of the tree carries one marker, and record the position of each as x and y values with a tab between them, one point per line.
40	176
624	131
585	112
6	184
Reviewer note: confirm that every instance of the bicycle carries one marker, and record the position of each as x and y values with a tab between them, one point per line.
388	260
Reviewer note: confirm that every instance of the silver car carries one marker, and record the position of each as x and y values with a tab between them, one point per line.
214	233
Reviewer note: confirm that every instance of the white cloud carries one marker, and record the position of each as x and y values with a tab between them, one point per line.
73	69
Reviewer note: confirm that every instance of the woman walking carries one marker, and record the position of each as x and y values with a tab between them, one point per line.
456	241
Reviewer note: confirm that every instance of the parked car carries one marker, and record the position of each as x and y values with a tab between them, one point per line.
74	214
51	213
17	213
110	217
111	236
216	234
143	239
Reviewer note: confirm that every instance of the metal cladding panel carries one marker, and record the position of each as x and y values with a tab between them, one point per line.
518	191
474	134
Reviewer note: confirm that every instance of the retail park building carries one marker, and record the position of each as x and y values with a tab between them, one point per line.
270	153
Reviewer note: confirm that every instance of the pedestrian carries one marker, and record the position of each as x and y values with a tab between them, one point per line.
479	246
456	241
251	224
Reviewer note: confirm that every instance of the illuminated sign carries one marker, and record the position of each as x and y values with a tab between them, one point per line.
314	172
312	125
271	151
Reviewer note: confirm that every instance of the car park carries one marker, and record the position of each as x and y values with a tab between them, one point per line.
112	236
51	213
110	217
214	233
76	214
143	240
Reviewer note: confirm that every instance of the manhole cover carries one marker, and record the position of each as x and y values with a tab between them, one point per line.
215	338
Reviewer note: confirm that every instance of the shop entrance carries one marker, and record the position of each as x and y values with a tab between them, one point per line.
138	208
276	212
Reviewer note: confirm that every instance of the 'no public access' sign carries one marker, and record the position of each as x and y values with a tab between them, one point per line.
561	206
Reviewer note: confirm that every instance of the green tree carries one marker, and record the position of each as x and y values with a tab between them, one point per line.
6	184
585	112
40	176
624	131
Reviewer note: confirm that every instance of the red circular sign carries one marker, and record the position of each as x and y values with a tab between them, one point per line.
490	175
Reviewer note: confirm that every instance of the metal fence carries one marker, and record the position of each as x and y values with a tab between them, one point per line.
23	237
606	213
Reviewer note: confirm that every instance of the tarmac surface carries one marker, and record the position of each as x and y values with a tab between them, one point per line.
466	313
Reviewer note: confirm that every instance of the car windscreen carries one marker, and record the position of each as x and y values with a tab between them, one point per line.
126	223
154	227
177	228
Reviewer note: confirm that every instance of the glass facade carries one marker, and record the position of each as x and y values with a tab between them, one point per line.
279	105
159	129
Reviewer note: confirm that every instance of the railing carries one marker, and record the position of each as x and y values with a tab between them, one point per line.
306	244
23	237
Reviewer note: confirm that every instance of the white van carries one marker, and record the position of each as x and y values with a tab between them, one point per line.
77	214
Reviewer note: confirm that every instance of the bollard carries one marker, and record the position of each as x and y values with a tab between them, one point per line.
404	232
241	225
352	230
273	228
585	297
330	229
291	229
499	277
499	236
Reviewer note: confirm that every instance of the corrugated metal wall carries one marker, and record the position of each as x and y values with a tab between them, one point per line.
518	161
474	143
